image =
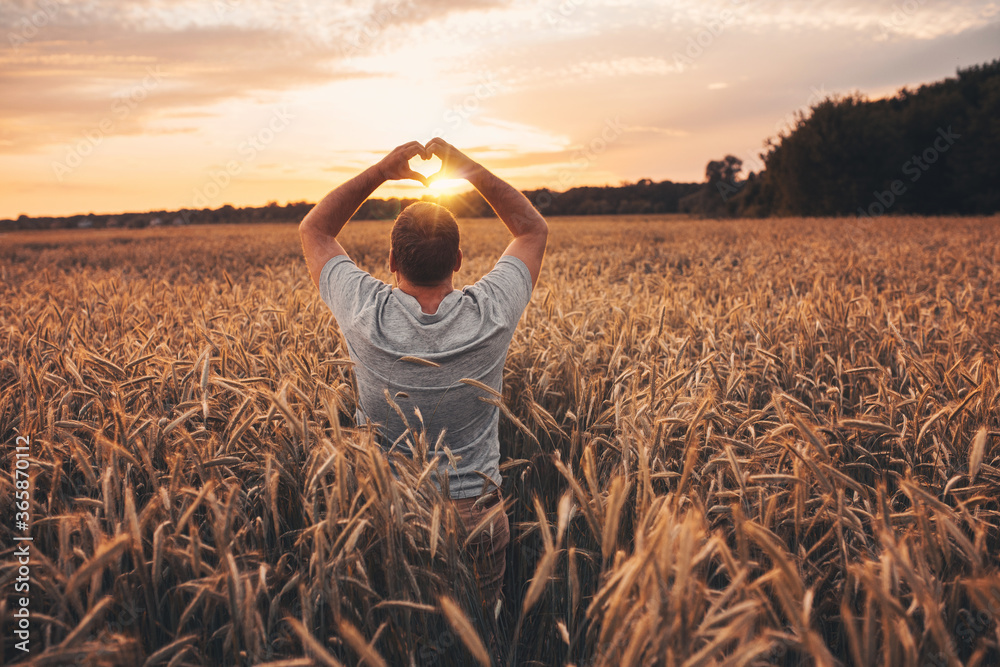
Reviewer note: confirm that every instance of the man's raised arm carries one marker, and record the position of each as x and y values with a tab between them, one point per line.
319	229
522	219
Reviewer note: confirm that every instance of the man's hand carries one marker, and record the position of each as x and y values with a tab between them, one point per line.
454	163
396	165
527	225
319	229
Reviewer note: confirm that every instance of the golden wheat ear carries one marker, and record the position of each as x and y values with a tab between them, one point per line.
741	442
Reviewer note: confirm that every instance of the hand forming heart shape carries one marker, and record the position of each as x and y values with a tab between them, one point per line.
418	162
431	168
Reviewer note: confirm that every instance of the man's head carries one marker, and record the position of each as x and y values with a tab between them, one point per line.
424	244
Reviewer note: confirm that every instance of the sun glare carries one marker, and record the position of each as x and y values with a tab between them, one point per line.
449	185
429	168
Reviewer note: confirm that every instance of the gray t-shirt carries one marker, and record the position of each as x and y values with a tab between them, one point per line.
468	337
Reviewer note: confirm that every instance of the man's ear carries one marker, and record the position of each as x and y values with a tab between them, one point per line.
458	262
392	262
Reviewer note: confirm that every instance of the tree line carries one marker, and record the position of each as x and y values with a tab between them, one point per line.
644	196
929	151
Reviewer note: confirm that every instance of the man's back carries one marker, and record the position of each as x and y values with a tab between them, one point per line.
467	337
465	332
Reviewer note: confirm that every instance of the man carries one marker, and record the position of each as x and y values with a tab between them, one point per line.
465	334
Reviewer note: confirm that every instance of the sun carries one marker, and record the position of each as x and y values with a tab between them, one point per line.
430	168
448	186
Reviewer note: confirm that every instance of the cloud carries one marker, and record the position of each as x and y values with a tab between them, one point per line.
70	66
57	86
421	11
563	69
921	19
916	19
665	131
589	70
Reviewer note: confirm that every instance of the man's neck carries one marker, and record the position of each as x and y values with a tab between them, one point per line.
429	296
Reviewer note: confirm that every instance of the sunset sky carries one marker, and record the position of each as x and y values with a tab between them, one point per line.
118	105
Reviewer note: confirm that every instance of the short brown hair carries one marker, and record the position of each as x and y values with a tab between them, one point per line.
424	243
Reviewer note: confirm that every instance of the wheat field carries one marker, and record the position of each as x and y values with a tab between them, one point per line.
724	443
